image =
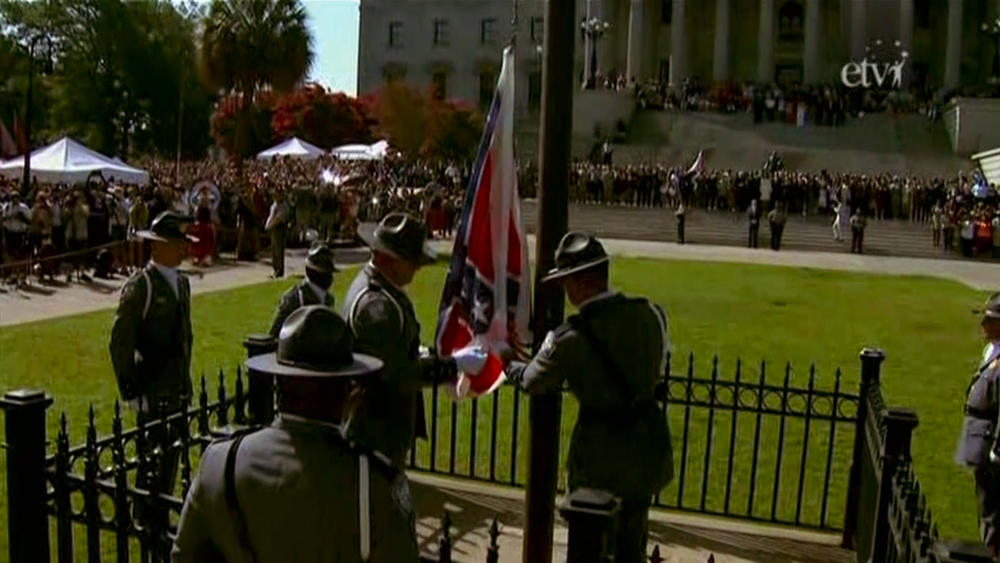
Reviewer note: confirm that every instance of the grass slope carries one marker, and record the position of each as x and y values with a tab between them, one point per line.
802	316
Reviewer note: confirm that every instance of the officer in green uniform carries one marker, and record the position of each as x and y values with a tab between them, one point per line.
314	290
979	445
612	354
151	338
298	490
385	325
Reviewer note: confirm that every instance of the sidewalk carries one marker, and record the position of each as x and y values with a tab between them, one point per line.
39	302
682	538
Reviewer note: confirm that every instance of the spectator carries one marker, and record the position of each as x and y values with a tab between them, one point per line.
858	224
777	219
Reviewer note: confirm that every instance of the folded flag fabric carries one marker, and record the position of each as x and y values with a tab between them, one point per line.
487	295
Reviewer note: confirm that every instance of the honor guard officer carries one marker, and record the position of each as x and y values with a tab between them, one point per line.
385	325
979	446
314	290
613	355
151	337
299	490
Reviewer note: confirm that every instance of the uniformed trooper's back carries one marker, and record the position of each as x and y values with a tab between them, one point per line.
612	355
298	490
385	325
313	290
979	444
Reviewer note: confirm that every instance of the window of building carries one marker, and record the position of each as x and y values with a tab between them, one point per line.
790	21
441	32
439	85
537	30
666	11
488	31
535	90
394	74
395	34
922	13
487	85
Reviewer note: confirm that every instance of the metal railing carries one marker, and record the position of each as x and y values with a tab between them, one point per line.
102	496
792	471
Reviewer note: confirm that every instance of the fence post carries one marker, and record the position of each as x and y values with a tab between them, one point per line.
899	425
261	386
591	515
871	366
27	521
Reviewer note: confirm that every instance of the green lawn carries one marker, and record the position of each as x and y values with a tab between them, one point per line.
803	316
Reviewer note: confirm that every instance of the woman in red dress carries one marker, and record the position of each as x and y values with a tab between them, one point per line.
202	251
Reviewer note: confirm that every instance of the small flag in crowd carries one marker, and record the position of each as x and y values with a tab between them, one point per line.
980	187
487	296
699	163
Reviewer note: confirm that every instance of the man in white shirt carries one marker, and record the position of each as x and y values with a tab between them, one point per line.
16	218
277	224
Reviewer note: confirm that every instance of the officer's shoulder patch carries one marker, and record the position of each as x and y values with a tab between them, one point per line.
549	344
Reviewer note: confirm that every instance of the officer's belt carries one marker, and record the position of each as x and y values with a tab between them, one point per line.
630	414
990	415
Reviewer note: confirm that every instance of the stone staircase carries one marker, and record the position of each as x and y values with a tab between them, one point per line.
884	238
873	143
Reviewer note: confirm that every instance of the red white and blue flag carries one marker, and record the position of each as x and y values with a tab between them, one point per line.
487	296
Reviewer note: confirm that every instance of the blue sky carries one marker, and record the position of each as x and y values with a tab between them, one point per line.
334	25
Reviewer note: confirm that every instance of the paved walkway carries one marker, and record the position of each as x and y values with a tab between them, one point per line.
39	302
681	537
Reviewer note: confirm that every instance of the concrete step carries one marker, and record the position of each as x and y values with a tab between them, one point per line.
885	237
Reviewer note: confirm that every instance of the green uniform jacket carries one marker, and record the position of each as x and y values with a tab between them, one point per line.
298	487
385	326
621	442
297	296
151	345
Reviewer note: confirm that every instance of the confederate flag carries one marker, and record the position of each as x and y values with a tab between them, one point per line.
487	296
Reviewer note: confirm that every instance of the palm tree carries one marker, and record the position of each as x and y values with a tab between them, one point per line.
252	45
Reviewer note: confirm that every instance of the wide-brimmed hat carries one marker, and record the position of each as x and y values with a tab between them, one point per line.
576	252
168	226
315	342
400	235
320	258
991	308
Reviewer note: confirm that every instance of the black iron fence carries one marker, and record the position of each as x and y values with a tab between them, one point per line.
887	515
102	497
756	446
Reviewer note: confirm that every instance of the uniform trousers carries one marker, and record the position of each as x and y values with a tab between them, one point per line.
988	495
278	250
160	475
631	534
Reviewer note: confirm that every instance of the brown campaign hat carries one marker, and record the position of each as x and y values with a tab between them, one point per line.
168	226
400	235
576	252
315	342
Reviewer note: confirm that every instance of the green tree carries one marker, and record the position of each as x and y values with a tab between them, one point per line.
252	45
121	73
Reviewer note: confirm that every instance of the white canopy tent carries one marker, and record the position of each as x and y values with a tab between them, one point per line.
375	151
294	147
70	162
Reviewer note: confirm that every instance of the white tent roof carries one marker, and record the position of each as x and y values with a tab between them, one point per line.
376	151
68	161
292	147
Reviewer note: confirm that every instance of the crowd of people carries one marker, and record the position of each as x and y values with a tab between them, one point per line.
61	229
796	104
58	229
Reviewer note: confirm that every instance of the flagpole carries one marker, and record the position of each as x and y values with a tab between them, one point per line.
553	161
